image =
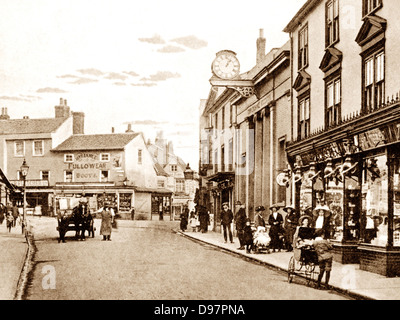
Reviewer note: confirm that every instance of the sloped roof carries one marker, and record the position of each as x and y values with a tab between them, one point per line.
159	170
29	126
111	141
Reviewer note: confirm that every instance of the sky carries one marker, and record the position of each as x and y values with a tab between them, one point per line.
147	63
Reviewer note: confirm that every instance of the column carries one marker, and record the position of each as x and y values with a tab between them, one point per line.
258	160
250	168
267	201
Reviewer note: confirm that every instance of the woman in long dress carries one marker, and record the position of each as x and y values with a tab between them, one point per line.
106	223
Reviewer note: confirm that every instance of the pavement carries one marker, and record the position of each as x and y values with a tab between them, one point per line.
13	250
347	279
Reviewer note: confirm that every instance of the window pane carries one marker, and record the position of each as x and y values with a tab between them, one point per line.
307	109
19	148
337	92
38	148
369	72
329	97
380	67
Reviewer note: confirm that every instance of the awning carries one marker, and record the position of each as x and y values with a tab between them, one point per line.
221	176
4	180
158	191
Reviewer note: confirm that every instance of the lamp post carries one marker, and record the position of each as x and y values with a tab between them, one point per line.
24	172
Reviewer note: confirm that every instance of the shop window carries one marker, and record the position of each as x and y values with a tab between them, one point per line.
303	48
374	81
370	6
375	200
38	148
334	200
396	203
19	148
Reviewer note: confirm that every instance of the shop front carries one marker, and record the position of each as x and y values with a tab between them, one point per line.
354	170
96	195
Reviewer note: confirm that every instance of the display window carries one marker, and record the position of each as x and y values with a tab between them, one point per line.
334	200
396	203
375	200
352	212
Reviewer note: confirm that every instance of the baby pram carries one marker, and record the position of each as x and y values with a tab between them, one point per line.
305	258
261	240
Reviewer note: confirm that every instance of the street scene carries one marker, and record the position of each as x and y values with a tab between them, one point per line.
150	152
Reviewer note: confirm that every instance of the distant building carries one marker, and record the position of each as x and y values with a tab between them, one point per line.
66	163
171	170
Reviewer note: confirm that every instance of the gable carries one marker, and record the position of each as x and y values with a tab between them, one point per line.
372	27
331	58
303	79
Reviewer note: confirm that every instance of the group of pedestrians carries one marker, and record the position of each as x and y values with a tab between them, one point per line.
10	214
199	219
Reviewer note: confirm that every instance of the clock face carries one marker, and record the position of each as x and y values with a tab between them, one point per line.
226	65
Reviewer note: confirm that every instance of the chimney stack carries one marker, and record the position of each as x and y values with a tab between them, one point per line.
129	128
112	130
4	115
78	123
261	43
62	110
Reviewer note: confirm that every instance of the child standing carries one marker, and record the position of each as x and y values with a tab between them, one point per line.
248	236
10	221
193	221
324	251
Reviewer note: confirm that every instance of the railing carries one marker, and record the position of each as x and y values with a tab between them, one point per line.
351	117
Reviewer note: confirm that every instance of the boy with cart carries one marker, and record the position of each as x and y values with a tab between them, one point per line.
325	257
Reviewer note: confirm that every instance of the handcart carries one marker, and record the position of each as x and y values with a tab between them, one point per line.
305	259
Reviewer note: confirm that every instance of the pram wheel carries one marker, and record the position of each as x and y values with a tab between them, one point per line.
291	268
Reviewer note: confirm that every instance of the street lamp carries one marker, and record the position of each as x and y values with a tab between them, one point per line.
24	172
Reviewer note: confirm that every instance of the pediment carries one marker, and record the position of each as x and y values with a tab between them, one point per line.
371	28
303	79
331	58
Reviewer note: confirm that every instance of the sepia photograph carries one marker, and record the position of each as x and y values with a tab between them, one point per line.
199	158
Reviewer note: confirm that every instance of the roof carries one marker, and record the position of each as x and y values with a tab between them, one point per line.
28	126
159	170
300	15
96	142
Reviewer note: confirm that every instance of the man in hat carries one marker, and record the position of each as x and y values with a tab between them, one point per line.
291	222
275	220
259	219
240	219
226	220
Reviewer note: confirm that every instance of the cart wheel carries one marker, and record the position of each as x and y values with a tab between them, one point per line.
291	270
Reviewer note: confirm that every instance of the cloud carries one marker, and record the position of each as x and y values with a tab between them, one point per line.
67	76
83	81
144	84
156	39
116	76
119	83
15	98
191	42
171	49
162	76
149	122
91	72
50	90
131	73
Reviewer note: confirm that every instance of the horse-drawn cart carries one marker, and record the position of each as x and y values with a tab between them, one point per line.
74	216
